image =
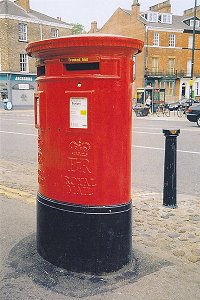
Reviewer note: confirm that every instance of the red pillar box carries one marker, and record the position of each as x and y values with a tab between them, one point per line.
83	116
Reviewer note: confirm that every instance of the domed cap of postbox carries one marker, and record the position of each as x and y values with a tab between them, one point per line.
93	42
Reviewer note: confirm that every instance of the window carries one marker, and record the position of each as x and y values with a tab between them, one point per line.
153	17
189	67
197	90
158	17
156	39
41	32
165	18
190	42
162	85
22	32
23	63
171	66
172	40
155	64
54	32
170	88
197	23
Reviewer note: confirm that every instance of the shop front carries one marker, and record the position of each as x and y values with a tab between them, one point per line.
17	89
150	96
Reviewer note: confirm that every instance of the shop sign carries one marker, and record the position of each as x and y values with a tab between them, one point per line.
23	78
3	77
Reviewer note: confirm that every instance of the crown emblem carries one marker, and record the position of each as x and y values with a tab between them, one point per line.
79	149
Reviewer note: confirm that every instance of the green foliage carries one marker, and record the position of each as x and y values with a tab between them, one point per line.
78	29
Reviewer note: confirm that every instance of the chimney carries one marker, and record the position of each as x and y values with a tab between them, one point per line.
93	27
59	19
164	7
135	8
25	4
190	12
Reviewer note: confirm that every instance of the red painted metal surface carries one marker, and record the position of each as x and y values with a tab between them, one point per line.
83	116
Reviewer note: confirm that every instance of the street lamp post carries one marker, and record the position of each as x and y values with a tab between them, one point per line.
193	49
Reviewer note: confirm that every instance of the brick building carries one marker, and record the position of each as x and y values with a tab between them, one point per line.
19	25
166	59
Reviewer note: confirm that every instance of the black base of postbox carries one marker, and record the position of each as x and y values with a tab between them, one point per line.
84	238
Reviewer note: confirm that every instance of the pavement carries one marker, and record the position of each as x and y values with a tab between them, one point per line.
166	254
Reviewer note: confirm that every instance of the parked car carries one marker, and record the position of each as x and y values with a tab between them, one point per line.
182	103
188	102
193	113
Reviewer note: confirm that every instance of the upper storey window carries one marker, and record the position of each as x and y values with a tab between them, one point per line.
54	32
158	17
172	40
156	41
152	17
23	62
23	32
165	18
197	23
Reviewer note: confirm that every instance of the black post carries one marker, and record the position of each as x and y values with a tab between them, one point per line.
169	190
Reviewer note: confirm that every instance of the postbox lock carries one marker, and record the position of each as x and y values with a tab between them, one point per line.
79	84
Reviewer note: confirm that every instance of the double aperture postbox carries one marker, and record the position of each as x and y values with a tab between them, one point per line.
83	116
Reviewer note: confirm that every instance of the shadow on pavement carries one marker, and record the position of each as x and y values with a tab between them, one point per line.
24	261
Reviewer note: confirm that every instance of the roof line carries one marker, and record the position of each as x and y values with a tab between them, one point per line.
34	20
58	21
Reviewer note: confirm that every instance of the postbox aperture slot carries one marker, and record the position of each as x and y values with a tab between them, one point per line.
82	66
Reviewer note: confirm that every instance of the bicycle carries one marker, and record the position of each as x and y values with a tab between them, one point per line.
181	111
163	110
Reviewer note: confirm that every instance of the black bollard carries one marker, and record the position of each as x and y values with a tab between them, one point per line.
169	190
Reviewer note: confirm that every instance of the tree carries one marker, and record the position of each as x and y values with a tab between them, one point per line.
78	29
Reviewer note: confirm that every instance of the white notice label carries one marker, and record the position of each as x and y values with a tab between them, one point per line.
23	86
78	112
